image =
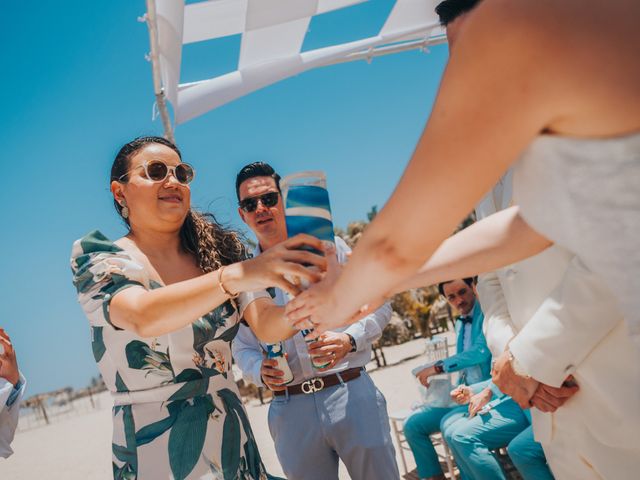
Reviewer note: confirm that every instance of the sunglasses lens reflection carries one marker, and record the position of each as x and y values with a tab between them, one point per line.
269	199
251	204
157	171
184	173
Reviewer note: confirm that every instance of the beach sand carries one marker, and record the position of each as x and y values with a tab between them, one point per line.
78	447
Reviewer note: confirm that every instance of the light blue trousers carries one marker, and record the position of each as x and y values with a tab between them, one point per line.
472	439
528	457
347	422
417	429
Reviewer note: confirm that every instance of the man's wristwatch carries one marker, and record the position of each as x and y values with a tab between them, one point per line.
354	346
439	367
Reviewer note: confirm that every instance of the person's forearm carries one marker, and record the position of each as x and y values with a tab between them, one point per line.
268	321
494	242
151	313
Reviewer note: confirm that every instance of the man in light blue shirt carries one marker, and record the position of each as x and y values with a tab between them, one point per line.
12	385
323	415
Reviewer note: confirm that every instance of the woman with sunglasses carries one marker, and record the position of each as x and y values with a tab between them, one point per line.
164	303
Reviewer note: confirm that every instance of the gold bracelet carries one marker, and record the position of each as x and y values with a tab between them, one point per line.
222	287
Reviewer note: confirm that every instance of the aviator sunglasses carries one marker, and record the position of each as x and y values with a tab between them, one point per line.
158	171
250	204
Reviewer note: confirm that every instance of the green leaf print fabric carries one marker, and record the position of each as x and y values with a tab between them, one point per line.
177	414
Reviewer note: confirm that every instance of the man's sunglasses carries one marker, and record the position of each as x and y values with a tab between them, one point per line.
250	204
158	171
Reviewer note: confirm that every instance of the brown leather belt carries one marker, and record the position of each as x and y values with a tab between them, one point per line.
317	384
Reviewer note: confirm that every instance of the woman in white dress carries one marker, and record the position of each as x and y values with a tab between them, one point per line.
554	84
552	87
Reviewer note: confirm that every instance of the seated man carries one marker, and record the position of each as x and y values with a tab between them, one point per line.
344	416
12	385
472	360
493	421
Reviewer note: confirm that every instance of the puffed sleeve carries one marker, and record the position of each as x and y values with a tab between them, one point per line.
100	270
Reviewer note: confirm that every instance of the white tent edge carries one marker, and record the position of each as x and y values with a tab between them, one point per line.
205	95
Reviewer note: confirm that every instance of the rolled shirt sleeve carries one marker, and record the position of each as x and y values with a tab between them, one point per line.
369	329
248	354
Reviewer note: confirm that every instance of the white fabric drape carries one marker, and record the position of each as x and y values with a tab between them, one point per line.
273	32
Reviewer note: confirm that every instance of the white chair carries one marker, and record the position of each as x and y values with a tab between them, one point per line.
397	422
436	349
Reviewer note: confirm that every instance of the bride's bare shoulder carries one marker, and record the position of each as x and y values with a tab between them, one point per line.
558	21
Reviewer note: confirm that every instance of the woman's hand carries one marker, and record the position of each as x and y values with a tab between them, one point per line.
317	305
280	266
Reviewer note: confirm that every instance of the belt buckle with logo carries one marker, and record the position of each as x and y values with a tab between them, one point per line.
312	386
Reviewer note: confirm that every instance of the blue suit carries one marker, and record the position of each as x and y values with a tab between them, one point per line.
472	439
474	363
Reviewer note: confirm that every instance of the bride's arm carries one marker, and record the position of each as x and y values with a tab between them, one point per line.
498	240
495	98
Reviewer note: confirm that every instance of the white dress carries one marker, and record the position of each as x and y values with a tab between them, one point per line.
584	195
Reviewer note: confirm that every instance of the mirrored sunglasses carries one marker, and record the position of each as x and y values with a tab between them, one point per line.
250	204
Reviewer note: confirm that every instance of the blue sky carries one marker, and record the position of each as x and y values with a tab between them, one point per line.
75	86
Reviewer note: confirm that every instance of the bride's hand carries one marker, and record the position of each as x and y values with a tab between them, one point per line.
318	305
280	266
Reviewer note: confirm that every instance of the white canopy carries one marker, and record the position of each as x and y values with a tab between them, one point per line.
272	33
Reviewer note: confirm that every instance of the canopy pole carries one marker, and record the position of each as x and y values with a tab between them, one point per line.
161	100
373	52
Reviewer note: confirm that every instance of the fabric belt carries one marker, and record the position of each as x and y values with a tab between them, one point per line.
316	384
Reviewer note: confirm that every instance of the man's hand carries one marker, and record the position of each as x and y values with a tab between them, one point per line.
8	362
461	394
479	400
549	399
424	374
330	347
271	376
521	389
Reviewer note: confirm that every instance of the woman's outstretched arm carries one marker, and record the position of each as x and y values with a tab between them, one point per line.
498	240
151	313
496	97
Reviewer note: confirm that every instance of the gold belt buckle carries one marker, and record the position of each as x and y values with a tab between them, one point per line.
312	386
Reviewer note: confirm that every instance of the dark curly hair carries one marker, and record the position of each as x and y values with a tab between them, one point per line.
200	234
